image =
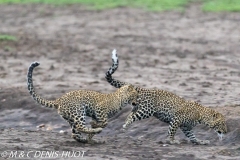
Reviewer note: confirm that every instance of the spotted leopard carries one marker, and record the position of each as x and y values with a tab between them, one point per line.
76	105
170	108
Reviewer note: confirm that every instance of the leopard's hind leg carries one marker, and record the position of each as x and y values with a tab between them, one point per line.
79	117
78	136
75	134
101	119
76	118
189	133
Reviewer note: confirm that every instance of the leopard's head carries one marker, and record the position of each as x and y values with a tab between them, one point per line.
218	123
129	95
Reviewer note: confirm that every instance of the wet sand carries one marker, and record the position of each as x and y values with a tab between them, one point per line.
192	54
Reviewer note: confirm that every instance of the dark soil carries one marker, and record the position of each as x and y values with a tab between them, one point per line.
192	54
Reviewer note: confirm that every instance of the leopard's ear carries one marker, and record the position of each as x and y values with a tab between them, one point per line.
130	88
216	116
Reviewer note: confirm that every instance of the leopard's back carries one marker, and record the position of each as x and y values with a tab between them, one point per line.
159	103
93	101
80	97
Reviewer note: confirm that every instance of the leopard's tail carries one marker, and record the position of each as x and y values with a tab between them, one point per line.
112	69
36	97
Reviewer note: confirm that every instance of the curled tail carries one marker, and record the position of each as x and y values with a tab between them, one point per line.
31	89
114	66
112	69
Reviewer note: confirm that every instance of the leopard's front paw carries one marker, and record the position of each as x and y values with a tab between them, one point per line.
202	142
96	142
173	141
125	127
79	138
97	130
123	130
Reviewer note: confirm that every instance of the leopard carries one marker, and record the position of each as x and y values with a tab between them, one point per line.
170	108
75	105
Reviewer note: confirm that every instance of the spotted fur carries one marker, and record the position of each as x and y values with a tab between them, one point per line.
76	105
170	108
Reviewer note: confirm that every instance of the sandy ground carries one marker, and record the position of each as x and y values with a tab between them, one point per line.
193	54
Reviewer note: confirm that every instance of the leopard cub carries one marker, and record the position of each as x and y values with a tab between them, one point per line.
76	105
